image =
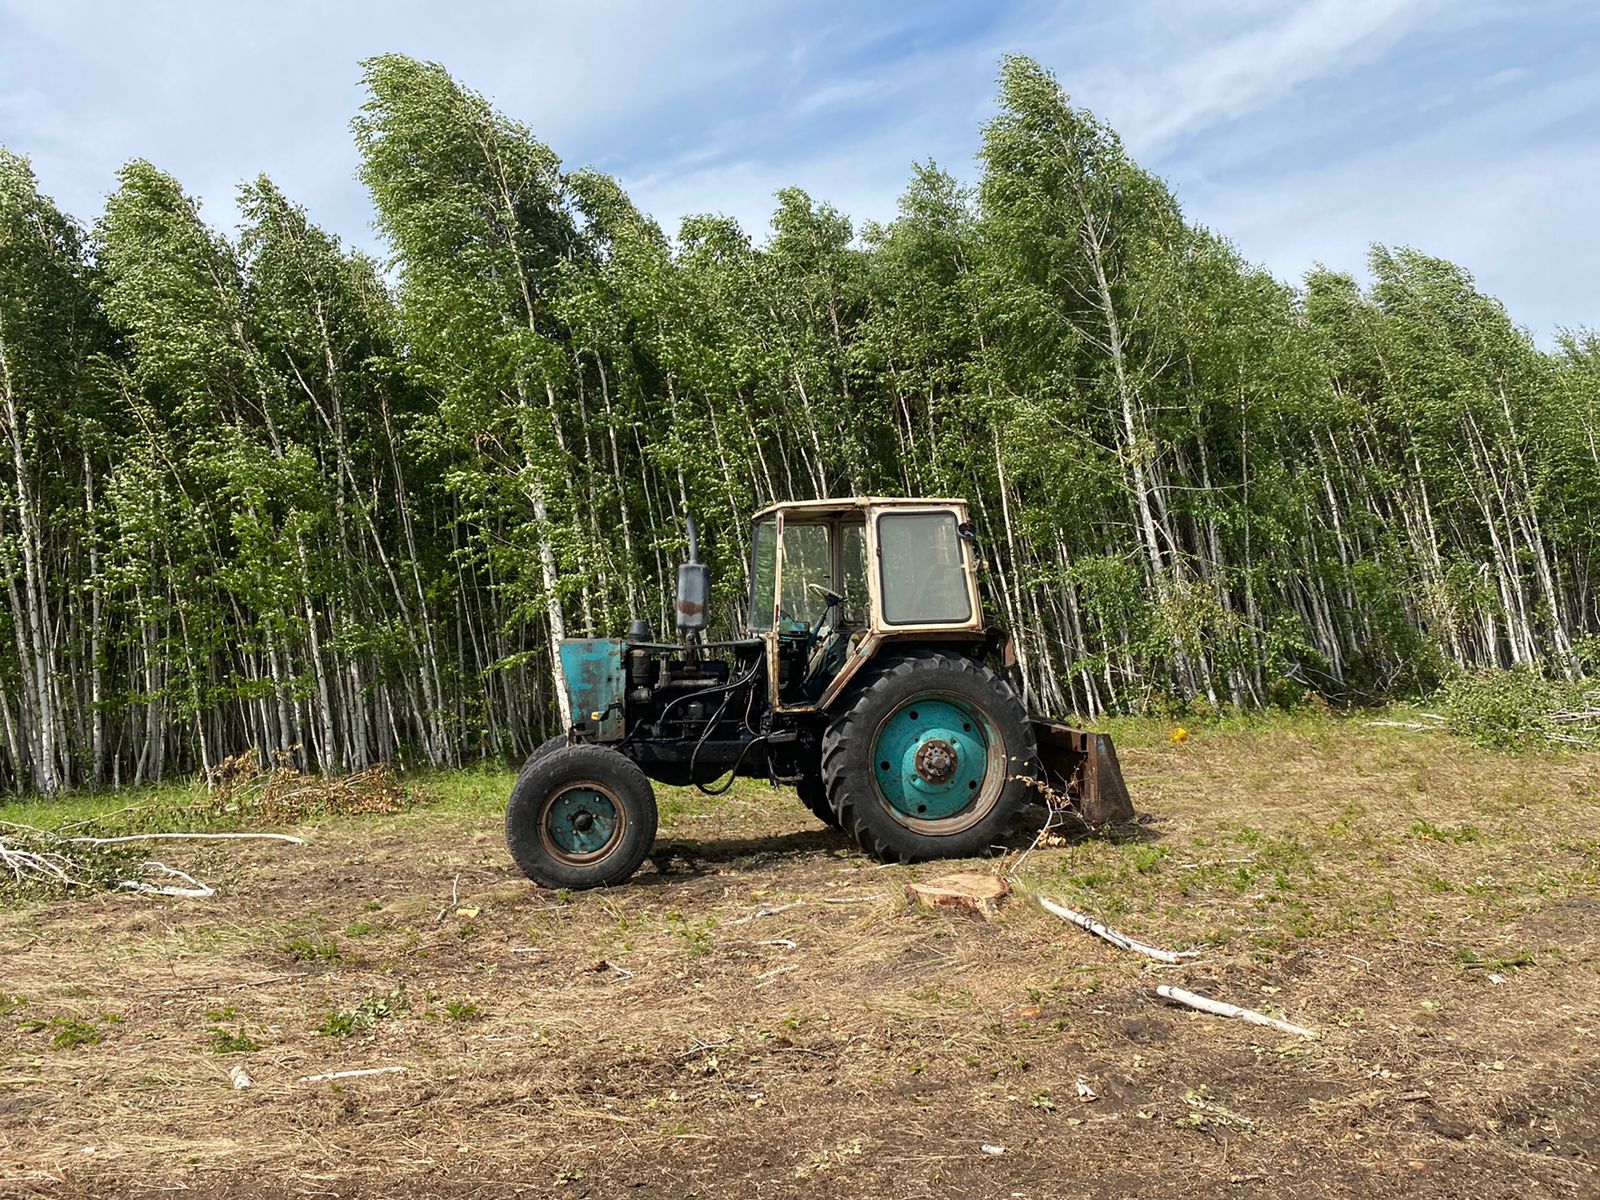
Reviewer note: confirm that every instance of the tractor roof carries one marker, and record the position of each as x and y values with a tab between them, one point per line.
848	504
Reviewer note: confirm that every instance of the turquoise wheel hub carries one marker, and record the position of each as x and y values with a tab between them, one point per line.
581	822
930	759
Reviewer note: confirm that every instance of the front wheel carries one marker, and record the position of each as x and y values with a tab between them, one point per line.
930	760
580	817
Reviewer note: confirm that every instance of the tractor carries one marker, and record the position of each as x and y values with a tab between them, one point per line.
867	680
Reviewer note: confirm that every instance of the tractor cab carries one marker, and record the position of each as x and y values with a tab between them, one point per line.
832	581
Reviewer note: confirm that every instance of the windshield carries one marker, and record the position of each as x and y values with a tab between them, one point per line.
924	575
763	574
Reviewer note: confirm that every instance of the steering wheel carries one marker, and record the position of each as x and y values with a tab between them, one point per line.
833	600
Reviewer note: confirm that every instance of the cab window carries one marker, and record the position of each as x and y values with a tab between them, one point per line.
807	565
853	573
924	576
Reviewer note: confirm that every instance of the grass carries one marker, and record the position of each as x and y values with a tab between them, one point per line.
1374	883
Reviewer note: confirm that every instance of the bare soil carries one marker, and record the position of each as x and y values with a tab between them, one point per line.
761	1013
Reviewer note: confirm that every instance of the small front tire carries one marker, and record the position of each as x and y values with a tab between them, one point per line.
580	817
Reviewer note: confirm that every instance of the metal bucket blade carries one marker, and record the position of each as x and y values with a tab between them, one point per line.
1083	767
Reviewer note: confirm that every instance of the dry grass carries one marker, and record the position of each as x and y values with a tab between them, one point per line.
1426	904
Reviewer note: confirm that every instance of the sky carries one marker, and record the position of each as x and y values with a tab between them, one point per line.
1303	132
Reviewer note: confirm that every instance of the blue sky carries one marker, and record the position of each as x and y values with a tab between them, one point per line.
1301	131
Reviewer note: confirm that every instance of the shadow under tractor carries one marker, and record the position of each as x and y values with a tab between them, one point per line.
867	680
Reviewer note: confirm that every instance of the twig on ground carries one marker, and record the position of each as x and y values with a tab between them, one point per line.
216	987
766	912
455	895
1220	1008
195	891
196	837
786	943
768	977
365	1071
1120	940
772	912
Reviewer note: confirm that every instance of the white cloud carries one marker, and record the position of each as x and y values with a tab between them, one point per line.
1300	131
1185	82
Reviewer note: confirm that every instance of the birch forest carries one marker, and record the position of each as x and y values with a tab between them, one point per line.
261	492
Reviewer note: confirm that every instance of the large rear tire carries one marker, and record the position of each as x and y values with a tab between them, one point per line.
580	817
930	759
813	793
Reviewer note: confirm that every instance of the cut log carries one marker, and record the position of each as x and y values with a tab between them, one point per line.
966	891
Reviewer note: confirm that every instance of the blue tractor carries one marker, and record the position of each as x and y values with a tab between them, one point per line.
866	679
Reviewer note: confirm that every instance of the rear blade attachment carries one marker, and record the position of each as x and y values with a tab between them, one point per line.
1083	767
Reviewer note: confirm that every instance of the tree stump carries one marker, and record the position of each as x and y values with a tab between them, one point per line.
965	891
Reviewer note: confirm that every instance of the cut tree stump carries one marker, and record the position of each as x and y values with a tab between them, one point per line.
966	891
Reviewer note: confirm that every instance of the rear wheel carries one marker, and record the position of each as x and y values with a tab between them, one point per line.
580	817
930	759
813	794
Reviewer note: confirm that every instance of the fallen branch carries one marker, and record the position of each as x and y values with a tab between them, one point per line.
1120	940
365	1071
1219	1008
195	891
196	837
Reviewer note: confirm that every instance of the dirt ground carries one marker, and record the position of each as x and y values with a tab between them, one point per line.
761	1014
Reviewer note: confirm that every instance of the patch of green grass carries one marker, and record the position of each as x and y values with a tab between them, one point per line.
301	948
367	1013
232	1041
358	929
462	1010
696	935
1460	834
69	1031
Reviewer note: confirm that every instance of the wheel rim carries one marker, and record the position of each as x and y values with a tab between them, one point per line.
582	822
938	763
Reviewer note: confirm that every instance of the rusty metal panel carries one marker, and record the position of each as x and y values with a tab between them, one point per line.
595	686
1083	767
